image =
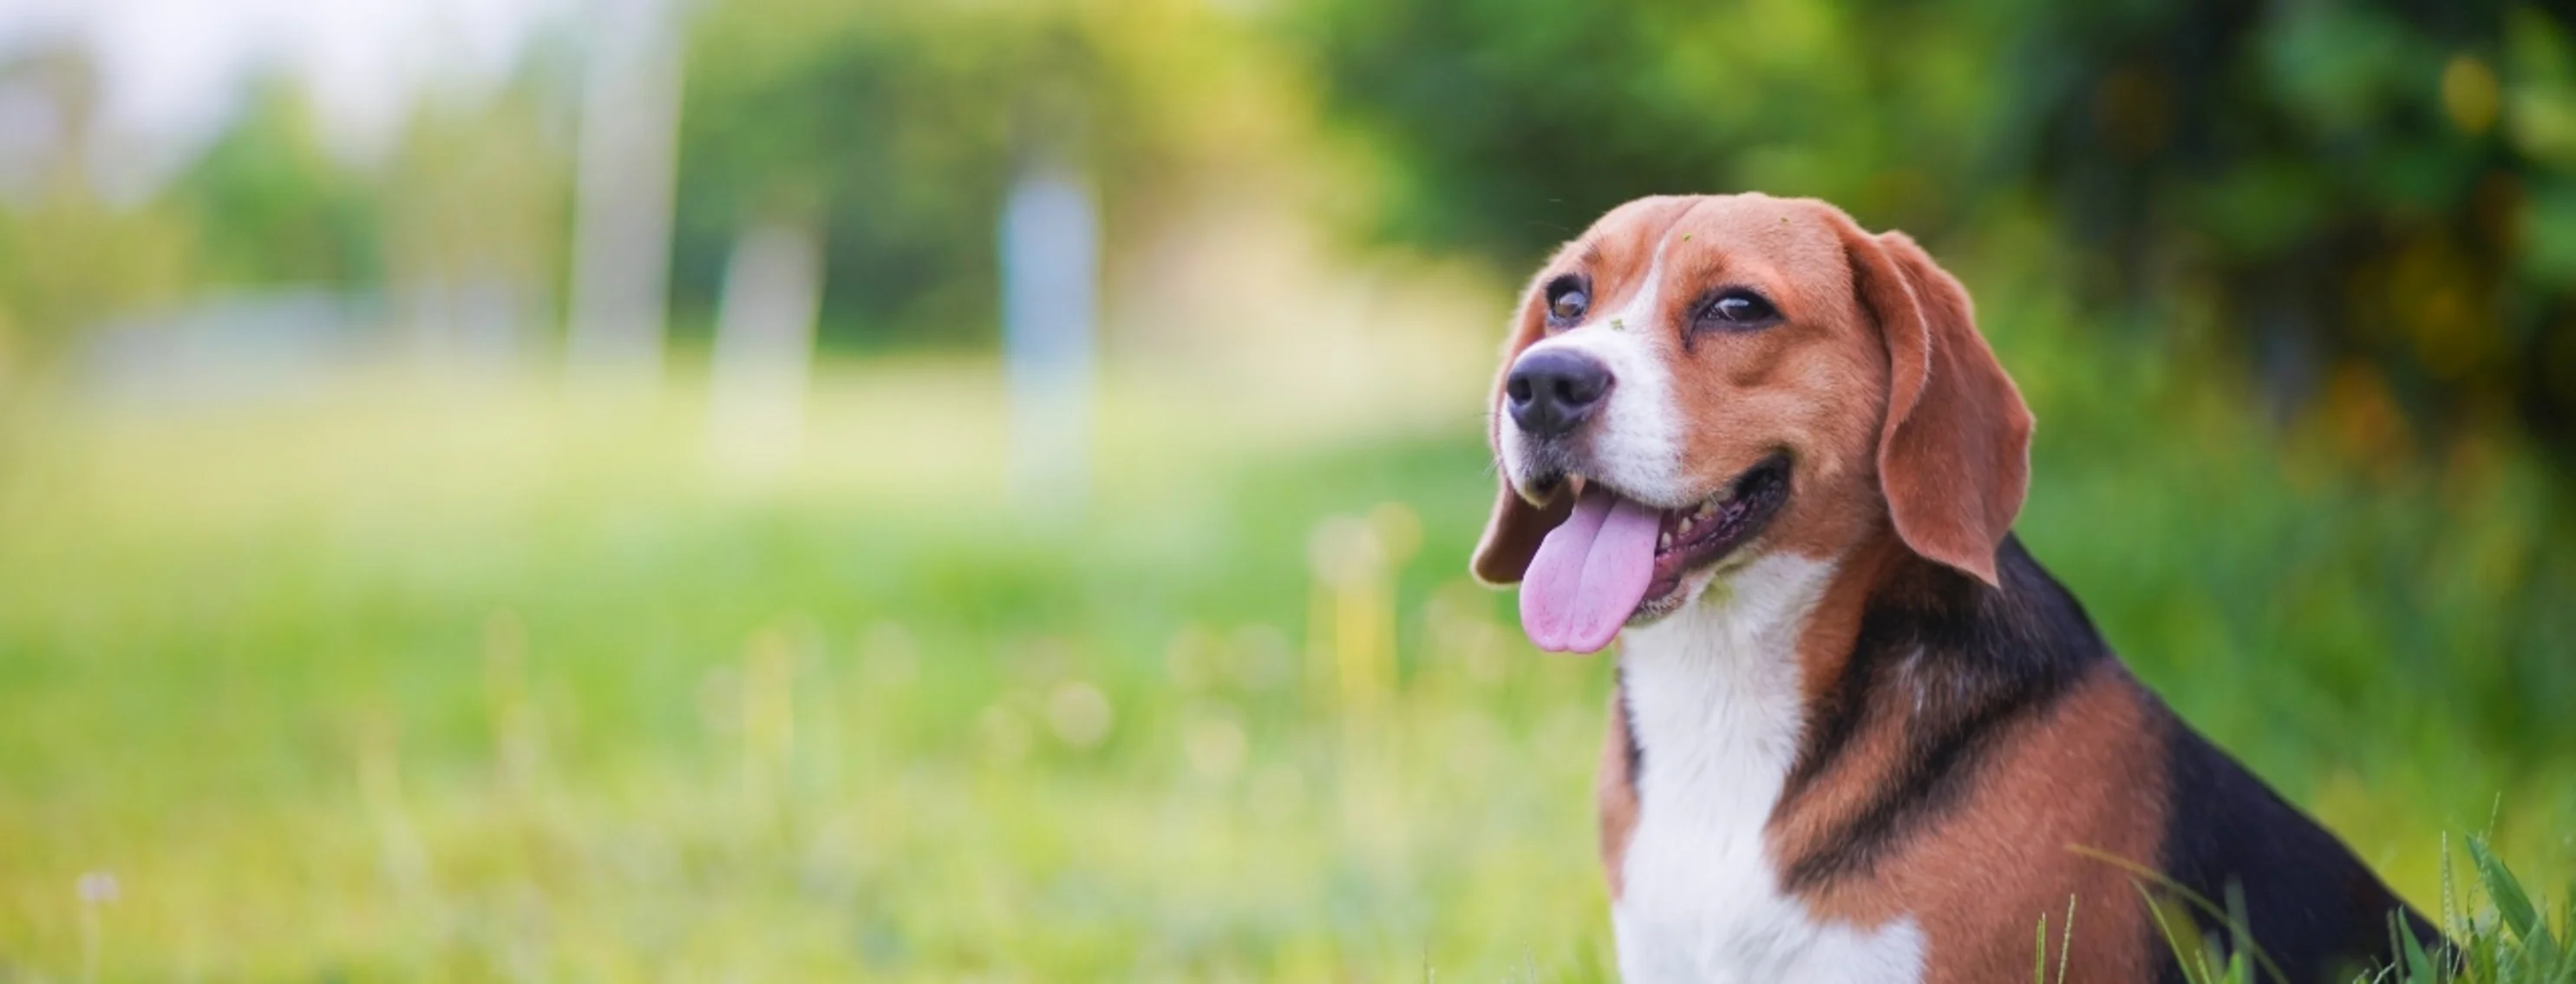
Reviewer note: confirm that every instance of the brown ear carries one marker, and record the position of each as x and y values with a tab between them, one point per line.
1512	535
1954	451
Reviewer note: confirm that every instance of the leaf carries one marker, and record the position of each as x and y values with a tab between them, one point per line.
2539	947
2419	965
2039	957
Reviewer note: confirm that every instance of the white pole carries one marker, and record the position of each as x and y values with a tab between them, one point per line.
622	213
1050	284
764	349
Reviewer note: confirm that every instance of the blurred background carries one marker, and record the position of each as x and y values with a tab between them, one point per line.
776	489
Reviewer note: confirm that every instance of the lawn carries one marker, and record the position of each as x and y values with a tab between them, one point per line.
450	680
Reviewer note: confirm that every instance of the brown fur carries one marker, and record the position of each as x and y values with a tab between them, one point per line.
1894	404
1979	880
1622	240
1954	454
1907	439
1956	798
1615	791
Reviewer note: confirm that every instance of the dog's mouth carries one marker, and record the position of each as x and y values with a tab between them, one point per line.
1696	538
1617	561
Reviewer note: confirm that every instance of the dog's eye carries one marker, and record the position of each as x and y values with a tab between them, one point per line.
1569	305
1738	308
1567	300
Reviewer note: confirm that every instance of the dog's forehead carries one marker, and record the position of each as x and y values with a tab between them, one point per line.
1783	233
1758	223
1627	236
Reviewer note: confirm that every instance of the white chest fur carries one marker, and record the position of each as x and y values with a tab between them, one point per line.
1713	700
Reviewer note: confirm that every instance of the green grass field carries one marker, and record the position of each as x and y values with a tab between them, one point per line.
447	682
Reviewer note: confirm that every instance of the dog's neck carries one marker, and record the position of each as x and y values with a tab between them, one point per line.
1714	691
1718	708
1815	644
1794	692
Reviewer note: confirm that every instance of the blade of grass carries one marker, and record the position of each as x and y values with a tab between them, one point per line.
2180	936
2235	927
2419	965
2066	943
2039	955
2513	905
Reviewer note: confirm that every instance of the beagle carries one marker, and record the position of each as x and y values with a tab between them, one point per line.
1859	734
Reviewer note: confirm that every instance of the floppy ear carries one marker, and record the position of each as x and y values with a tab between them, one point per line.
1513	534
1954	451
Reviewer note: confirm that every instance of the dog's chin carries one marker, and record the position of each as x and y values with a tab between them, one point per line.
1716	539
1694	584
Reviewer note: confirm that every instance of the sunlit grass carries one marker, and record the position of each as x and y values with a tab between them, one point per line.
438	681
486	683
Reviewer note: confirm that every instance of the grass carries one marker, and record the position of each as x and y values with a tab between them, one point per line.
2498	934
474	685
471	682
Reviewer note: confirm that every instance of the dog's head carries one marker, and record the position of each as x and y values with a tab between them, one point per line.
1698	381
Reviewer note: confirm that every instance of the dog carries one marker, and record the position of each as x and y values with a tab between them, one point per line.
1858	733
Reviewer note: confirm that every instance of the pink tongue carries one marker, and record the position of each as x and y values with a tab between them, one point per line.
1589	574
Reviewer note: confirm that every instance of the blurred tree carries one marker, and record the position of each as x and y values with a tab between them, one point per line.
2369	191
895	129
272	207
1510	124
476	208
2388	187
68	257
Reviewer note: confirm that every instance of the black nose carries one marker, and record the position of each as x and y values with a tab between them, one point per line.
1551	392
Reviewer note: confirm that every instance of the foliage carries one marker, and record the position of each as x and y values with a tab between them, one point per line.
270	206
891	127
898	128
2369	184
69	256
1509	126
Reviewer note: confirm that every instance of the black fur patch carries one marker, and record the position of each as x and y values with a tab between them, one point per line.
1956	664
1628	724
2311	907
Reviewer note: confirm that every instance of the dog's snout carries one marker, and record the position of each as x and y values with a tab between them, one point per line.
1550	393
